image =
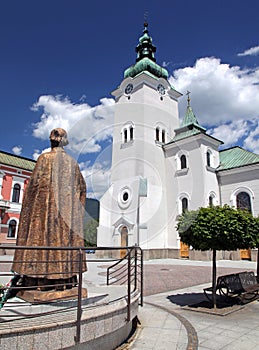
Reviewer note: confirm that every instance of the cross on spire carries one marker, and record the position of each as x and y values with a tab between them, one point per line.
188	98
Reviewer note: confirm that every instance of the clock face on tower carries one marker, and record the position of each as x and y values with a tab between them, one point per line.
161	89
128	89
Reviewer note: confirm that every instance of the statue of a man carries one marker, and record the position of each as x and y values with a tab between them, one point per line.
52	216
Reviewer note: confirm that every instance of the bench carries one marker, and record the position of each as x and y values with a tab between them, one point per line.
242	284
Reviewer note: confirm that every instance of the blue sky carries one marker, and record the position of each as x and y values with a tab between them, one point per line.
61	59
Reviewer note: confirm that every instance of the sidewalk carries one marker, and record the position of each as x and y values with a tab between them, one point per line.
166	323
166	320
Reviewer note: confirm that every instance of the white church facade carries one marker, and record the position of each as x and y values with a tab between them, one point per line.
161	167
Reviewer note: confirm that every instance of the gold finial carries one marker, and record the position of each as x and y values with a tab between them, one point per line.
188	98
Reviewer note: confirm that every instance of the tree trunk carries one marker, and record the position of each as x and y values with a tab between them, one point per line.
214	275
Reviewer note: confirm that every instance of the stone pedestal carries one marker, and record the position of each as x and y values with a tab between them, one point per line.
37	296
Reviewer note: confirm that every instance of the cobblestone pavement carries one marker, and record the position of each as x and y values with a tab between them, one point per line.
167	322
160	278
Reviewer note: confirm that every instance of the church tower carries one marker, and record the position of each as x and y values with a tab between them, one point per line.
134	209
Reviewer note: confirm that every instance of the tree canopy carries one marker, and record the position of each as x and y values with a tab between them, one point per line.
90	233
218	228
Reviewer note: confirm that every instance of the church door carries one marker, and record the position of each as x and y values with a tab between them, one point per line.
184	250
244	202
124	241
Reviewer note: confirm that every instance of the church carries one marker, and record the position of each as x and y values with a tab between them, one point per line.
162	167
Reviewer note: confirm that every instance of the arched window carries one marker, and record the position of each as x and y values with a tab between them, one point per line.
131	133
183	161
125	133
16	193
208	157
244	201
184	205
163	136
11	229
157	134
211	201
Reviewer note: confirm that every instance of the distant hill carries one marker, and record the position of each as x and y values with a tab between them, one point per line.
92	207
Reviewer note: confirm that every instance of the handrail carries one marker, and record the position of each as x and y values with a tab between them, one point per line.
124	271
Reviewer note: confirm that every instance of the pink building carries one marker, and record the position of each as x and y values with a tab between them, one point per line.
15	172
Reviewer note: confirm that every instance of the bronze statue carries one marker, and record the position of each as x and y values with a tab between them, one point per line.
52	216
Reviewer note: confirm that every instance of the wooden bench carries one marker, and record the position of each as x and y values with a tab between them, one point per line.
242	284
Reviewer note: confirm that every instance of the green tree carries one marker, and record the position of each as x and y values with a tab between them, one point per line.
218	228
90	233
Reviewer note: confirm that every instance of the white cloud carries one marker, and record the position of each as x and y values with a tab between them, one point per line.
37	153
17	150
86	126
223	98
253	51
230	133
97	178
252	140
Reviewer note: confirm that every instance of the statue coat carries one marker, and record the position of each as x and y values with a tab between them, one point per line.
52	216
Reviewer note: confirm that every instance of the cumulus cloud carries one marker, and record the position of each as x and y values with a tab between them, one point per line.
87	126
230	133
253	51
89	129
17	150
251	142
97	178
37	152
223	97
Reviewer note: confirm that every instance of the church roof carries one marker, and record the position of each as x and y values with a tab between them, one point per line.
16	161
145	60
189	125
235	157
187	131
189	117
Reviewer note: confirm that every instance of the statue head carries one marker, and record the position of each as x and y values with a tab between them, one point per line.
58	138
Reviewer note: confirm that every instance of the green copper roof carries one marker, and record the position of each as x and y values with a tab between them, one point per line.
145	60
187	131
236	157
146	65
189	125
16	161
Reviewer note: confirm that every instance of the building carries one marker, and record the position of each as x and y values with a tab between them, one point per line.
15	172
161	167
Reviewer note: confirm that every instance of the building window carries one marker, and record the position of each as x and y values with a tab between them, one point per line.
16	193
127	133
163	136
160	134
210	201
208	156
131	133
183	161
157	134
244	201
184	205
11	229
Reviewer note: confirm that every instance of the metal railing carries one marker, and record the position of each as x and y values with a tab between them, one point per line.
127	270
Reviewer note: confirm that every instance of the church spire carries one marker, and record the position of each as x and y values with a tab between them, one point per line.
189	118
145	48
145	60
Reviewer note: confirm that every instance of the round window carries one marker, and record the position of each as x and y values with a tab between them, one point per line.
124	197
